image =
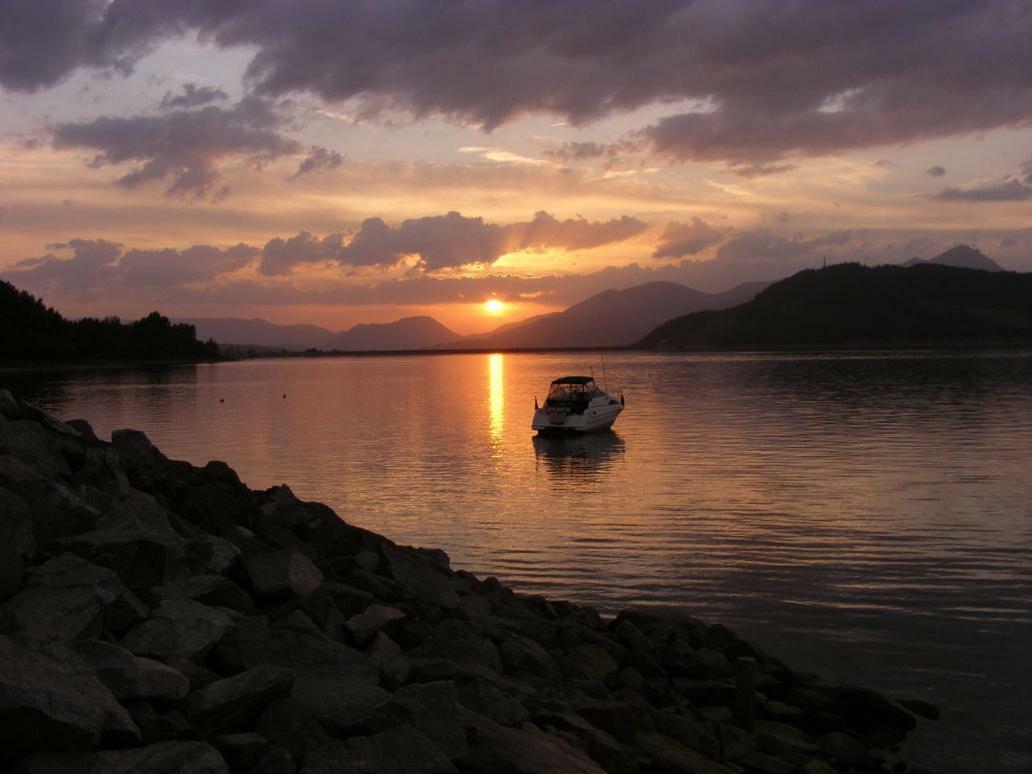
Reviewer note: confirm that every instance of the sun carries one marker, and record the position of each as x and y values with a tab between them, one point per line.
494	306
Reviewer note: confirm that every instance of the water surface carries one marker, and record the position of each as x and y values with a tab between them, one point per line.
868	517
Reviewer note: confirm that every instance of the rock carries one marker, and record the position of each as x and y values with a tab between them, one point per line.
763	763
620	719
670	756
348	599
843	746
277	761
234	704
154	726
521	655
588	662
140	557
364	626
68	597
298	621
486	698
814	766
12	568
212	590
495	749
132	677
872	714
423	578
433	708
281	572
457	641
343	705
389	659
243	751
16	526
56	511
178	627
210	555
50	699
399	750
920	707
161	758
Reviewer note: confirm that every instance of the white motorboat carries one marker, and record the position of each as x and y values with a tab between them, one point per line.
575	404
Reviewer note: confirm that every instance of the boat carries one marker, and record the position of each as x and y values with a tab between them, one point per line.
576	404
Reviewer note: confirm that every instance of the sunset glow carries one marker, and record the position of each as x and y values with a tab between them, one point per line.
494	307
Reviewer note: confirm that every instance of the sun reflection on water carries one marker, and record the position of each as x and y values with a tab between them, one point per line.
496	396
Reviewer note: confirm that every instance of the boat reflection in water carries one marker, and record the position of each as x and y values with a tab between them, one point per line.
579	455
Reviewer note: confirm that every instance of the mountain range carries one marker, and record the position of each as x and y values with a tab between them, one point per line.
960	257
853	305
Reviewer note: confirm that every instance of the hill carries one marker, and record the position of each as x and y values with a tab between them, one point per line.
612	317
261	333
31	331
408	333
854	305
960	257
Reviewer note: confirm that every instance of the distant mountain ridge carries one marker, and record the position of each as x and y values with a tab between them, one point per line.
960	257
420	332
854	305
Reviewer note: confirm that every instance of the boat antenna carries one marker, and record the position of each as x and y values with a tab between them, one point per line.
605	382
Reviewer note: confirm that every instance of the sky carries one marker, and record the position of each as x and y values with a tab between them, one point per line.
335	163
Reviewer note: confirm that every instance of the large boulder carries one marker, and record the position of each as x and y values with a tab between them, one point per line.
178	628
213	590
161	758
234	703
68	597
424	579
399	750
56	511
433	708
142	558
51	699
343	705
496	749
129	677
286	572
457	641
364	626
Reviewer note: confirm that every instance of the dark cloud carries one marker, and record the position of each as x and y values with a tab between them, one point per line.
935	171
445	241
749	171
1012	190
168	267
192	96
680	239
770	79
184	147
318	158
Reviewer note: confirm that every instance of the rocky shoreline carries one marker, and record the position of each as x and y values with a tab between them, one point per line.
160	617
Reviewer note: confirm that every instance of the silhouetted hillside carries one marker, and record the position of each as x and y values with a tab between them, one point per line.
850	304
960	257
419	332
612	317
256	332
31	331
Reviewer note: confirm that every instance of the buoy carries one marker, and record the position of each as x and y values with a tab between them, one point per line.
284	396
222	400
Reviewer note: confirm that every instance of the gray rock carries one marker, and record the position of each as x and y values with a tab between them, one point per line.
277	761
459	642
132	677
399	750
243	751
234	704
50	698
423	578
843	746
178	627
521	655
56	511
140	557
671	756
213	590
433	708
161	758
210	555
343	705
588	662
286	571
15	525
920	707
390	660
364	626
68	597
495	749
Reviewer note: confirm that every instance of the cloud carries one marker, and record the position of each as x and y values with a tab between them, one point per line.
192	96
445	241
935	171
806	78
680	239
1012	190
184	147
749	171
169	267
318	158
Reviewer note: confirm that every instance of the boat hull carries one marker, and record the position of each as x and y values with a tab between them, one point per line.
592	420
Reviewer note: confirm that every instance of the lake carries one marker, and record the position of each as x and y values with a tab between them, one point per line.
867	517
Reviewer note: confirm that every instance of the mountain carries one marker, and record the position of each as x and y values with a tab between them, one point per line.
611	318
854	305
408	333
261	333
33	331
960	257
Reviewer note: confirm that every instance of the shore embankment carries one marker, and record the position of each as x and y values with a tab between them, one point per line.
161	617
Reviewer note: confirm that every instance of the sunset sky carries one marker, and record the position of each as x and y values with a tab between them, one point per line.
334	163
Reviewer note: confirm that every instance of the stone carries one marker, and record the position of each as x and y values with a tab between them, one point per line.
210	555
348	599
843	746
212	590
457	641
298	621
132	677
364	626
621	719
343	705
765	764
50	699
278	760
670	756
486	698
16	526
12	568
920	707
161	758
178	627
521	655
242	751
283	572
496	749
871	713
154	726
399	750
423	578
588	662
433	708
68	597
390	660
141	558
56	511
234	703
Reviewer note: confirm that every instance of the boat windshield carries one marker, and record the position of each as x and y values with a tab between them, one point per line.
567	391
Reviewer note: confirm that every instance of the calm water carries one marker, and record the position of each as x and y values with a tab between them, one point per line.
865	517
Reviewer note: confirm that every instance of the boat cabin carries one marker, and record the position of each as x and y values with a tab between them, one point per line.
570	391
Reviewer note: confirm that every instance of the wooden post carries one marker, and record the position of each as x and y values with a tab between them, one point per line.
745	701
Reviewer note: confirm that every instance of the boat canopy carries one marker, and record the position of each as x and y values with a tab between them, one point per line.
574	380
